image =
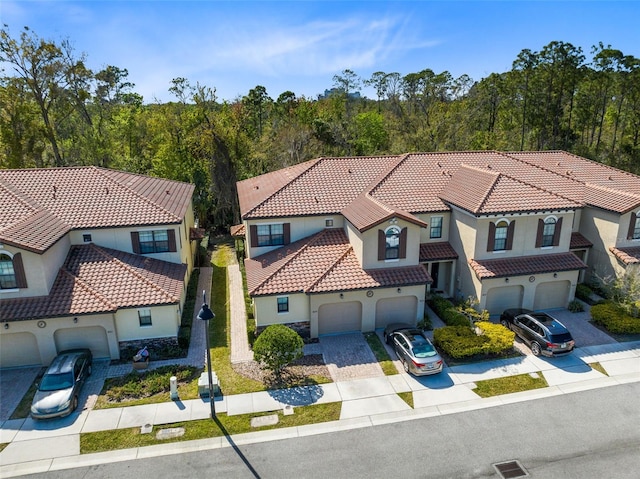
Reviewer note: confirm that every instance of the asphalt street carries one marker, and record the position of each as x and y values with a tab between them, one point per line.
588	435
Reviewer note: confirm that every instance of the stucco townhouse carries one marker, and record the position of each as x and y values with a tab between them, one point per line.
352	244
91	257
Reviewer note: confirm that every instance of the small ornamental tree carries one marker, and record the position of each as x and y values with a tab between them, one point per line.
277	346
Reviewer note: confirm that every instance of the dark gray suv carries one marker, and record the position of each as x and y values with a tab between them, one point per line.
59	389
543	334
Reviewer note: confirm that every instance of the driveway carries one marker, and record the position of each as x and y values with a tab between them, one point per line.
348	356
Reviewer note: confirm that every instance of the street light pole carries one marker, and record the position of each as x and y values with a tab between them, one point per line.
206	314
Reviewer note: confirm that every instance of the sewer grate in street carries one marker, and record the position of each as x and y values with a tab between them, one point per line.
510	470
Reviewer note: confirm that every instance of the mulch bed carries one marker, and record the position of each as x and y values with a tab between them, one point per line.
296	374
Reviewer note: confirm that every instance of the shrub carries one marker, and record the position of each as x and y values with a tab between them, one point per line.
500	338
277	346
575	306
583	292
439	304
614	318
459	341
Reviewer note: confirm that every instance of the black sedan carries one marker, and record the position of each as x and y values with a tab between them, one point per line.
542	333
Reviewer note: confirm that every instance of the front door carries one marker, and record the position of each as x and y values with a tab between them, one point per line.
435	269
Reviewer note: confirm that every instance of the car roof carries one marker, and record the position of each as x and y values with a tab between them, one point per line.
64	361
549	322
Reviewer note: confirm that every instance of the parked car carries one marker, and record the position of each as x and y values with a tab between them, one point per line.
543	333
59	389
418	356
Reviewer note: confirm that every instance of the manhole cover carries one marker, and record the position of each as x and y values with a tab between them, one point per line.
510	470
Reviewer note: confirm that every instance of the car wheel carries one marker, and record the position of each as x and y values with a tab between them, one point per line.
405	366
505	323
535	349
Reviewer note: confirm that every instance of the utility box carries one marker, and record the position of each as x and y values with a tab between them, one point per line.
203	384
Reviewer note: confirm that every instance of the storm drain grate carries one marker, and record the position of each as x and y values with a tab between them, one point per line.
510	470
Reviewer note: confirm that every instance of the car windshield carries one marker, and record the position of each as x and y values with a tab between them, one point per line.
425	350
561	338
54	382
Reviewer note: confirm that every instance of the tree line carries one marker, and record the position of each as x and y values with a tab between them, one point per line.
57	112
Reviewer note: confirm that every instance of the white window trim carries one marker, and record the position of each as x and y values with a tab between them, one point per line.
10	255
288	305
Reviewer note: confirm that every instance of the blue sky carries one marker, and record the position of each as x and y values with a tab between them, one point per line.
233	46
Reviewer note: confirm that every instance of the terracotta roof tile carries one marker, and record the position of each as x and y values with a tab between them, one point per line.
440	251
238	231
628	255
538	264
320	263
365	212
578	241
95	279
87	197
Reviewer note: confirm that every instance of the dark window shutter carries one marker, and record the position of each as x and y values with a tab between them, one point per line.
539	233
492	236
382	245
510	232
171	235
18	269
135	242
632	226
403	243
253	234
556	232
286	230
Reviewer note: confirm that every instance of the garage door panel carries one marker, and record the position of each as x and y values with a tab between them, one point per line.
396	310
340	317
504	297
92	337
552	295
19	349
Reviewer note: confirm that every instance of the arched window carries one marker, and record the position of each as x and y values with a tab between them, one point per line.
7	273
392	249
548	231
634	226
500	240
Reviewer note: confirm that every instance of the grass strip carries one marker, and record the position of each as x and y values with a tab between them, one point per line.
407	397
380	352
509	384
598	367
101	441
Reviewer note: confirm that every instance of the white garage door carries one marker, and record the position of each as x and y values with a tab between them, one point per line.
403	309
92	337
340	317
503	297
554	294
19	349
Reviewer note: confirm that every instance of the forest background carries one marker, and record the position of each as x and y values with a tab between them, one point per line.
56	112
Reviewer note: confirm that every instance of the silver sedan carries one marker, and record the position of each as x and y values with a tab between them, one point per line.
418	356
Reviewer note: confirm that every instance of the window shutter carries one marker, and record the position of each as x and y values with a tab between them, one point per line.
382	245
556	232
171	235
632	226
539	233
135	242
492	236
286	230
253	234
510	231
18	269
403	243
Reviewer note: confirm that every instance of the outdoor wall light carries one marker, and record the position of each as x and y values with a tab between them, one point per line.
75	320
555	275
399	290
506	280
341	295
6	325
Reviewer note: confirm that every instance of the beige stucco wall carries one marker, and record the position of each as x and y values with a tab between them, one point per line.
369	249
266	309
45	336
603	229
165	323
425	232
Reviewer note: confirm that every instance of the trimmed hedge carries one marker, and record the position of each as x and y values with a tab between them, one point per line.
447	312
614	319
583	292
462	341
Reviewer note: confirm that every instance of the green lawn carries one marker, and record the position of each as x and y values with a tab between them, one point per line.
509	384
388	368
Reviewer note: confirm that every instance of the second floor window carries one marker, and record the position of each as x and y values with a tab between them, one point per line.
634	226
392	250
436	227
548	232
270	235
144	317
7	273
154	241
500	240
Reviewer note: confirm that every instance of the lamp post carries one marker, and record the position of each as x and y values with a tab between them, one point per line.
205	314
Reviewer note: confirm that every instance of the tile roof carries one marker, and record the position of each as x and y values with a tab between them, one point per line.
439	251
322	262
366	212
238	231
418	182
579	241
38	206
94	279
628	255
538	264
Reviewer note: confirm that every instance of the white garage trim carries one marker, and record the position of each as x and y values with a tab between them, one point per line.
19	349
92	337
340	317
403	309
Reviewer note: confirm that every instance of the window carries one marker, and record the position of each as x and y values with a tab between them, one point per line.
154	241
270	235
283	305
86	238
500	238
436	227
548	232
634	226
392	249
328	223
144	317
7	273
